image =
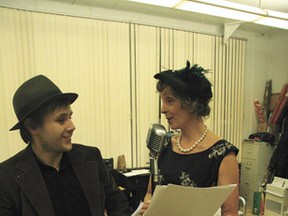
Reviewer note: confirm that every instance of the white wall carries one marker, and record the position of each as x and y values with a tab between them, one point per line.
256	74
266	55
267	58
278	70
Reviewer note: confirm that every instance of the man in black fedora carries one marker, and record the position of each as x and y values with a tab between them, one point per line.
52	176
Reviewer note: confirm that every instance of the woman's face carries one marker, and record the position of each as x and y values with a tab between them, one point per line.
176	115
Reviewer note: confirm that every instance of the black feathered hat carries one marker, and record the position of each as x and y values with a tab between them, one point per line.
189	80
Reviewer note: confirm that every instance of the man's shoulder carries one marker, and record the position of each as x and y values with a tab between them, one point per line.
12	160
84	151
82	147
9	169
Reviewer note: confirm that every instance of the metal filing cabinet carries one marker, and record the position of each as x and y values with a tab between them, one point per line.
254	162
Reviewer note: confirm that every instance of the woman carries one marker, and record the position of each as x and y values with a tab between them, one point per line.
194	156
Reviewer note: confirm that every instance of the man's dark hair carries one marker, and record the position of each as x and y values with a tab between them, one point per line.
37	117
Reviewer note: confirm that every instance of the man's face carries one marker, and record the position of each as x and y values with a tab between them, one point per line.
54	136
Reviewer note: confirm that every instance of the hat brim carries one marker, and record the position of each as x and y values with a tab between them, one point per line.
71	97
173	80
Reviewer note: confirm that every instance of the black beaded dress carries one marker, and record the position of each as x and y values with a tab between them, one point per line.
197	169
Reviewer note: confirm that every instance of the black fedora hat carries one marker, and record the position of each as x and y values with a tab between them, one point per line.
35	92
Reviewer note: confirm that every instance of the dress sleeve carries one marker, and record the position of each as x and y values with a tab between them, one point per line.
232	148
221	149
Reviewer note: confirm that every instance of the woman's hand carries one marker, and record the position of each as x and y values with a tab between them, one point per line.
144	207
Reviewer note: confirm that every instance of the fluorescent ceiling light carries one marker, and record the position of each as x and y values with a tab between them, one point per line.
278	23
277	14
217	11
226	9
232	5
164	3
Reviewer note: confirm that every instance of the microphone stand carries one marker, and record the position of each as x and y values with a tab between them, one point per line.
154	170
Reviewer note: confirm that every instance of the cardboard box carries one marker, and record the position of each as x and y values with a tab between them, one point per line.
273	101
275	205
276	200
262	127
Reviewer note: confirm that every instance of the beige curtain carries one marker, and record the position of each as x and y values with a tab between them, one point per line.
111	66
86	56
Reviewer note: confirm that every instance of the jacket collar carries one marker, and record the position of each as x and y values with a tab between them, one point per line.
87	173
32	183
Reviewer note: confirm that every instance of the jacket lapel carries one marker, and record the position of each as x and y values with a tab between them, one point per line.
86	171
32	184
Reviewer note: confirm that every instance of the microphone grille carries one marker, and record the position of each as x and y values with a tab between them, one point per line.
156	137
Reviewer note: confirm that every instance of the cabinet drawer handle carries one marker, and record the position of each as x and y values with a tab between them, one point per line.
247	181
249	149
248	165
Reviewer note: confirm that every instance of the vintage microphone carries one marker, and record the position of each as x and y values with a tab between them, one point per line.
156	139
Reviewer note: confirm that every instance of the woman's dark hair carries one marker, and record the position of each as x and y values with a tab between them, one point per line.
37	117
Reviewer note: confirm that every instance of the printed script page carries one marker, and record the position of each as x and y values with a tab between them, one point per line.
179	200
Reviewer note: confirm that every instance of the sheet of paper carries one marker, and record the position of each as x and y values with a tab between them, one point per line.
137	172
179	200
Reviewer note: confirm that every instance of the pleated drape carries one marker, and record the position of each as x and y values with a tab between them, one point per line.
111	66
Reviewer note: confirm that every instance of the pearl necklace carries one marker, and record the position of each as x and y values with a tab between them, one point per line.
194	145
